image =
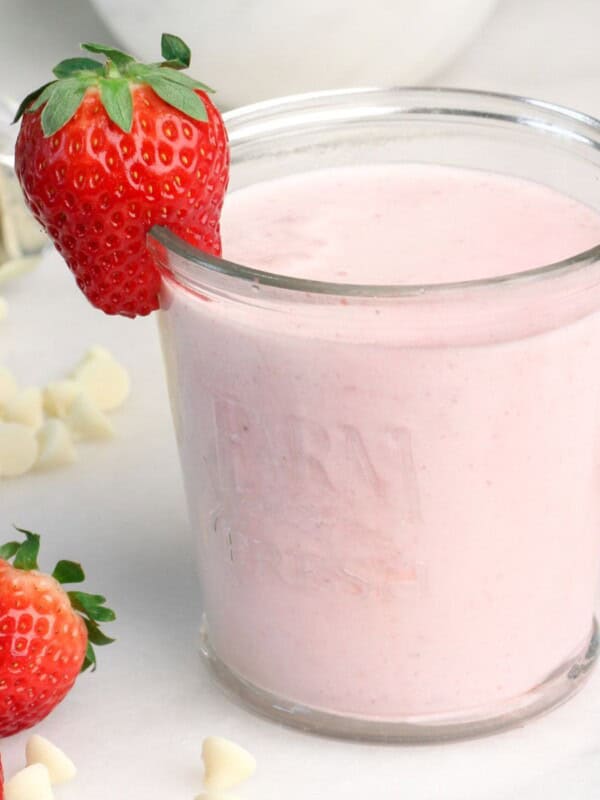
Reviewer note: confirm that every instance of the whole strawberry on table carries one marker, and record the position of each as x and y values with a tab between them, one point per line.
106	151
47	634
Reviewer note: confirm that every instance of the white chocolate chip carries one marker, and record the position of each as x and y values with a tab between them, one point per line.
59	397
18	266
55	445
3	308
41	751
31	783
18	449
225	763
103	378
8	385
25	407
86	421
97	351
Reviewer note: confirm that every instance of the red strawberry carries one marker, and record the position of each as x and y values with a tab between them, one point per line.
46	634
1	780
107	151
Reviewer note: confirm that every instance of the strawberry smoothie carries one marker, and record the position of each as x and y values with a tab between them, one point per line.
397	498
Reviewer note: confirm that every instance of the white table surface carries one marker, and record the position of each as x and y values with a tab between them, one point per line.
136	726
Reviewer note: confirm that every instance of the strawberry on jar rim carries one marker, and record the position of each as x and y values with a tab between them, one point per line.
106	151
47	634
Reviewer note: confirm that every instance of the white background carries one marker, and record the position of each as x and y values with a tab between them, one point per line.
136	726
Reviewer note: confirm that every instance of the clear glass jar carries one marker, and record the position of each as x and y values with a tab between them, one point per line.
362	574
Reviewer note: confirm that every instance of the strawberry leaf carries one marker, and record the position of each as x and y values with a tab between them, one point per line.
68	572
30	98
173	64
180	97
95	635
42	98
120	60
8	550
84	602
92	610
103	614
64	100
27	554
92	606
174	49
90	659
179	77
116	99
72	66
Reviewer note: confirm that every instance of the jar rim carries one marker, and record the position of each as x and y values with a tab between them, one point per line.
578	126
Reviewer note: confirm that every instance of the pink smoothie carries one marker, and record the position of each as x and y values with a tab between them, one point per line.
411	224
397	501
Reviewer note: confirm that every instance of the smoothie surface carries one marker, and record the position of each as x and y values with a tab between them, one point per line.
403	223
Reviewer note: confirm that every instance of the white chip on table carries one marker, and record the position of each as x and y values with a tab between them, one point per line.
86	421
26	407
8	385
97	351
15	268
225	763
58	397
31	783
56	446
18	449
40	750
103	378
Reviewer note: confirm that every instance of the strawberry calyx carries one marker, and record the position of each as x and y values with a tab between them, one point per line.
90	607
114	79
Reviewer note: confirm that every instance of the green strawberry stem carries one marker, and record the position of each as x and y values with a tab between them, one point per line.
90	607
74	76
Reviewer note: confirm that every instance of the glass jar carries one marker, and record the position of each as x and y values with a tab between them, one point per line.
395	489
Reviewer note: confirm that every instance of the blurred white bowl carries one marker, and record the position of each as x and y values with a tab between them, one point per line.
255	49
